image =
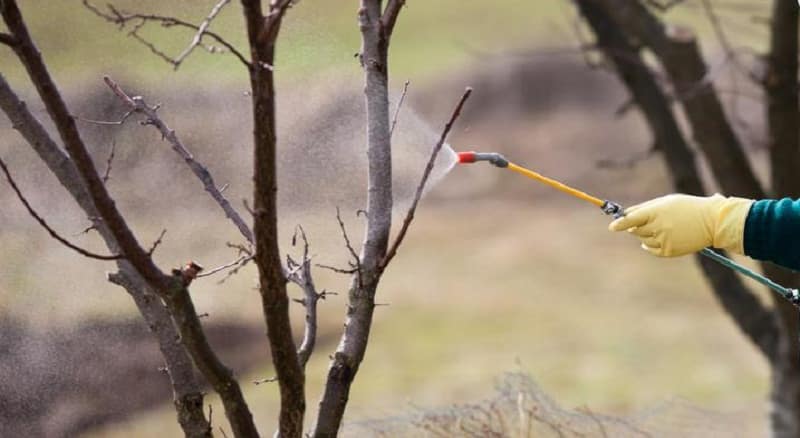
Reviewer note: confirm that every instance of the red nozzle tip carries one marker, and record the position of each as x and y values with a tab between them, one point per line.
466	157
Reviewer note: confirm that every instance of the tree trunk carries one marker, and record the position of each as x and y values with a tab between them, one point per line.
350	352
780	86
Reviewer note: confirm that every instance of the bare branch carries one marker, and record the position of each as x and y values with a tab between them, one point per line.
185	382
356	263
241	261
390	14
137	104
265	380
421	187
134	33
109	161
200	32
399	105
44	225
302	277
781	89
170	289
30	56
261	35
104	122
7	40
375	27
782	109
157	242
272	22
122	20
337	270
627	162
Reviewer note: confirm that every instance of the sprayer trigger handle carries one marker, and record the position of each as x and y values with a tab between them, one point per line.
613	209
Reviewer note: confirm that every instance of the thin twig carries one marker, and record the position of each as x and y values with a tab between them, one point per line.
266	380
425	175
109	161
627	162
399	105
344	234
356	263
198	36
137	104
87	229
153	49
236	263
104	122
44	225
122	20
337	270
157	242
733	56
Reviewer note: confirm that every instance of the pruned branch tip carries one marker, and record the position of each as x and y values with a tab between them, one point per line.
425	175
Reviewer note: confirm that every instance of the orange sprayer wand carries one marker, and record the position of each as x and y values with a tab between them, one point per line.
608	207
616	210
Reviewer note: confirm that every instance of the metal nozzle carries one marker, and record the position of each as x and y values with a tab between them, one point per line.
492	157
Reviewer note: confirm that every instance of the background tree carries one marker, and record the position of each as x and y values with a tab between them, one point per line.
628	29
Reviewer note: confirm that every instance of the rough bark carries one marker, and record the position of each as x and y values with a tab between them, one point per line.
780	84
781	88
361	297
262	34
185	385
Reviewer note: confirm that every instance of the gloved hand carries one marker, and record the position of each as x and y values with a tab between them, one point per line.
676	225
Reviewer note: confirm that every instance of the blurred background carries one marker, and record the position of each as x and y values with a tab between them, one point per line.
497	275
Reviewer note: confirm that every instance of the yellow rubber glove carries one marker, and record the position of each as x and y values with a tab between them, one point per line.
676	225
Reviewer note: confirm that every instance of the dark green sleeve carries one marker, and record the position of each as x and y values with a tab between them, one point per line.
772	232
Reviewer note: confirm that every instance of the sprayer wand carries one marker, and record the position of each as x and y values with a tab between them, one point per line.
616	210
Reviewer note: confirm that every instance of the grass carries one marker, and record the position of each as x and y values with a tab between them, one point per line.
596	320
431	38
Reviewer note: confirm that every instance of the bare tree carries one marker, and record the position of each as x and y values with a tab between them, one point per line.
162	297
619	25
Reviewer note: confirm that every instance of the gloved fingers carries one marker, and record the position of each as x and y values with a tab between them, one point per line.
632	208
635	219
649	229
655	251
645	205
651	242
